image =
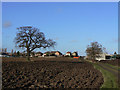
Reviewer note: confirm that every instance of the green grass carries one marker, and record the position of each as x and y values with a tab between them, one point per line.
115	67
109	78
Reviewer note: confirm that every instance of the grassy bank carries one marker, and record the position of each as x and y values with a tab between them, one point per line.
115	67
109	78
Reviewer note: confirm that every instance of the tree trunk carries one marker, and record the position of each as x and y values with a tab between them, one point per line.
28	54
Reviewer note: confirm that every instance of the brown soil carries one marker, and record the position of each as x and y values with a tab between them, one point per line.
49	73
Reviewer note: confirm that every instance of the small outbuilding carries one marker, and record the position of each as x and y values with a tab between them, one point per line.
68	54
38	54
75	54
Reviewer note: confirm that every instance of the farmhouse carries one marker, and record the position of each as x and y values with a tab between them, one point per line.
4	55
52	53
45	54
38	54
115	56
68	54
104	56
58	53
32	54
75	54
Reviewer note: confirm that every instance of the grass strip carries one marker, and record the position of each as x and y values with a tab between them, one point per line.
109	78
110	68
115	67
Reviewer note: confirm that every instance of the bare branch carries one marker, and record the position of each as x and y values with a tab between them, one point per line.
31	38
94	50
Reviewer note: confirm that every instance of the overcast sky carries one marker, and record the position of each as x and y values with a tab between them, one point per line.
72	25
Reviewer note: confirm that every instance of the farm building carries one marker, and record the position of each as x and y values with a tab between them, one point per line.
75	54
68	54
115	56
57	53
38	54
32	54
109	57
104	56
52	53
4	55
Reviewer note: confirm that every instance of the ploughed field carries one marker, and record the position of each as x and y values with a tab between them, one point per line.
49	73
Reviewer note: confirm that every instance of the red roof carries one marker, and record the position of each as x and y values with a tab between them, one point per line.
68	52
38	53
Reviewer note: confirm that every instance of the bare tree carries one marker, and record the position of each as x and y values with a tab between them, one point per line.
31	38
94	50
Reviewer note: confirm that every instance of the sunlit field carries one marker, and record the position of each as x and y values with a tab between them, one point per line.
49	73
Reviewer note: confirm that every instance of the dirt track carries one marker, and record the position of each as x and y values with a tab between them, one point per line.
50	73
115	72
